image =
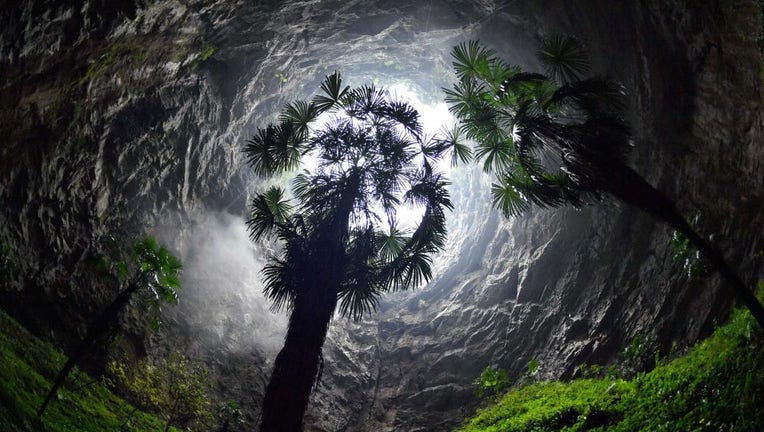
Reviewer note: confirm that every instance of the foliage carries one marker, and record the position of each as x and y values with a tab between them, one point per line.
149	271
147	268
686	255
639	356
207	51
127	50
533	368
560	139
545	137
229	414
157	271
491	382
173	387
717	386
340	244
25	362
372	153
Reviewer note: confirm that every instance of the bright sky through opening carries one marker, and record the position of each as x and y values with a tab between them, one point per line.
433	119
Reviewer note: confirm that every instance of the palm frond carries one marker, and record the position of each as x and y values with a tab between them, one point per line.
565	57
595	96
301	114
279	288
410	270
365	102
506	197
496	153
268	210
405	115
429	191
360	287
277	148
391	242
471	59
259	153
360	295
333	93
468	99
453	139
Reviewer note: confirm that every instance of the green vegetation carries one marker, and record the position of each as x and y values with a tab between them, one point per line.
341	244
27	366
174	387
150	272
717	386
561	138
120	51
491	382
229	414
207	51
685	254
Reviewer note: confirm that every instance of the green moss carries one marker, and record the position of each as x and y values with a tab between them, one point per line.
115	55
207	51
27	365
717	386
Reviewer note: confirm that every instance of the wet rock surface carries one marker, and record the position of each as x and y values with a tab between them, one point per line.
125	118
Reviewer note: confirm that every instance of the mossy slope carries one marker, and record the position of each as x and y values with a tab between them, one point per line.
27	366
717	386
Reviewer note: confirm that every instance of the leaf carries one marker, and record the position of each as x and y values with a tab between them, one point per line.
565	57
333	93
278	286
472	59
275	149
495	152
122	269
507	198
405	115
453	138
301	114
269	209
367	102
391	243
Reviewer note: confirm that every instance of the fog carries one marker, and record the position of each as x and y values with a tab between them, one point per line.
222	306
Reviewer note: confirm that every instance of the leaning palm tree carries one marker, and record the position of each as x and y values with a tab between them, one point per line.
341	245
149	271
558	138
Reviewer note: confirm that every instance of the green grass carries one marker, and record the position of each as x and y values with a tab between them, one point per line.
717	386
27	366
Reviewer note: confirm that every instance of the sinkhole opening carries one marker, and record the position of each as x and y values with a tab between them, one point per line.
434	119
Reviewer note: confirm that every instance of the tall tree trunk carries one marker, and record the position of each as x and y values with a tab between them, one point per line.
627	185
297	364
97	330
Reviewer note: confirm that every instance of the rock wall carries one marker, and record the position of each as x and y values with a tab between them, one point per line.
124	118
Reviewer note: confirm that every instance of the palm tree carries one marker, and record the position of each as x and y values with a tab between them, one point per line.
149	269
341	245
559	138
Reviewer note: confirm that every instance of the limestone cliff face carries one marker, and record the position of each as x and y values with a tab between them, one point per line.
124	118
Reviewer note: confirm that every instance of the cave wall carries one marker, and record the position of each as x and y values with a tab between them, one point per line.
124	118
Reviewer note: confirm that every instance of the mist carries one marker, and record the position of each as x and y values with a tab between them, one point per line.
222	307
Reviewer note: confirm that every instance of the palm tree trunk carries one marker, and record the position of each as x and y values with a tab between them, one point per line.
296	366
97	329
627	185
